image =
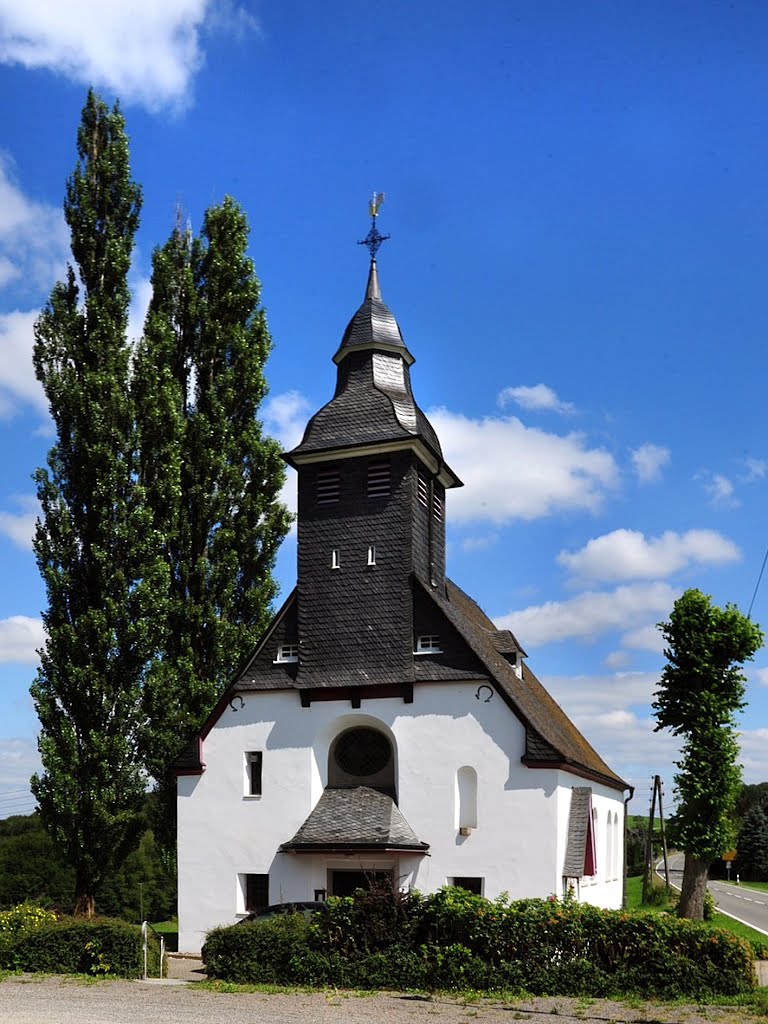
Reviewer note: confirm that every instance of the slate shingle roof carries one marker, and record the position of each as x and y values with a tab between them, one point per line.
549	731
551	737
357	818
374	403
373	325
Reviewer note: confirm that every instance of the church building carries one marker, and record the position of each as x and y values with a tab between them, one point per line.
384	727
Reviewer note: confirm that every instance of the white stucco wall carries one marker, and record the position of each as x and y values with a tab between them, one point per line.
522	814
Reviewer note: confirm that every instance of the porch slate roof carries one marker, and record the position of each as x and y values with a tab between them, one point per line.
356	818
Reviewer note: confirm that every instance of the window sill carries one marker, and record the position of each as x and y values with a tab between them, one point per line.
252	796
436	650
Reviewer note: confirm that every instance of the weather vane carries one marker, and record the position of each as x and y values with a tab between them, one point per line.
374	239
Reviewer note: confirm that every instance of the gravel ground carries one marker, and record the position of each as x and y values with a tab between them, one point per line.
34	1000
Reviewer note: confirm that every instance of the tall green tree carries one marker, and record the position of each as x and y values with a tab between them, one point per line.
701	689
752	845
211	475
95	543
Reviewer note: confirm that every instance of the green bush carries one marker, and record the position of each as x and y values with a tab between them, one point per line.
75	946
455	940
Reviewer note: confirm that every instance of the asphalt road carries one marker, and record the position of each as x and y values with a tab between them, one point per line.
749	906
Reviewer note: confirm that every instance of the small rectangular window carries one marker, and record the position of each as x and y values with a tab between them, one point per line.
253	764
327	486
256	892
474	885
422	489
378	479
335	559
428	643
372	555
287	652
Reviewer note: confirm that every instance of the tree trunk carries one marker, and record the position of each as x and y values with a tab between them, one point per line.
694	888
85	901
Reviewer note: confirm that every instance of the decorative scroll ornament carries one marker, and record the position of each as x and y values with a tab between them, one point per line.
374	239
481	690
238	698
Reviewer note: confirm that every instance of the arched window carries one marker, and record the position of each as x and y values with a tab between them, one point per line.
466	797
362	756
609	837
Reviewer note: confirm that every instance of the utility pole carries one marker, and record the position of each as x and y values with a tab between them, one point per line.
648	872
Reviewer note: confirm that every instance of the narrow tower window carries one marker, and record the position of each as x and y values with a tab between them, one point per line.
335	559
372	555
327	486
378	479
253	764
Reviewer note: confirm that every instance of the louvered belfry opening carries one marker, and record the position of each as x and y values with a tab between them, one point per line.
379	482
327	486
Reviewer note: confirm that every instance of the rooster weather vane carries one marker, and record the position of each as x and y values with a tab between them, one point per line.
373	239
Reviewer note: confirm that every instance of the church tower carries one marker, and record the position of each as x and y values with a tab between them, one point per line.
371	508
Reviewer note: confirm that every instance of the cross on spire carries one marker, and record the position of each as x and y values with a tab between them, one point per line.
374	238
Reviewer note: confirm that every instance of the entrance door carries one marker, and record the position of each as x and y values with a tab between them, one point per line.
344	883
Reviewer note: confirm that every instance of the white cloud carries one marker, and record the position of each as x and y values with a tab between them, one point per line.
20	526
613	712
616	659
285	416
756	469
479	543
648	460
628	554
646	638
516	472
18	384
590	614
143	50
34	242
536	397
20	638
754	754
720	489
19	759
761	675
141	295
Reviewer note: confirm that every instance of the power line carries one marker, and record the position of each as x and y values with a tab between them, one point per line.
757	585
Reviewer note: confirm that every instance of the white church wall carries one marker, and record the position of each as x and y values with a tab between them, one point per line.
605	887
517	845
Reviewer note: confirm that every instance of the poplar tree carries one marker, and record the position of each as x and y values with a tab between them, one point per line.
211	475
701	689
95	540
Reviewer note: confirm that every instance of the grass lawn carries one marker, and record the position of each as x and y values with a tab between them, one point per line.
761	886
170	932
634	902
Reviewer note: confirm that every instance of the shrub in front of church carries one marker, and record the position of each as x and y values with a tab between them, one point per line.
453	940
99	947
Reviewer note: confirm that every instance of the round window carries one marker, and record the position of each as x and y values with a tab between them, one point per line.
362	752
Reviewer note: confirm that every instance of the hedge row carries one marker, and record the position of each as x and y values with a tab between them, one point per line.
75	946
454	940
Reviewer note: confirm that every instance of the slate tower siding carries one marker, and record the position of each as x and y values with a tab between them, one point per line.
356	622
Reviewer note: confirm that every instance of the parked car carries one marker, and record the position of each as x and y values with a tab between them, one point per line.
305	907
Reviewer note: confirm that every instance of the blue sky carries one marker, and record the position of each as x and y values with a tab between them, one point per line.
577	200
